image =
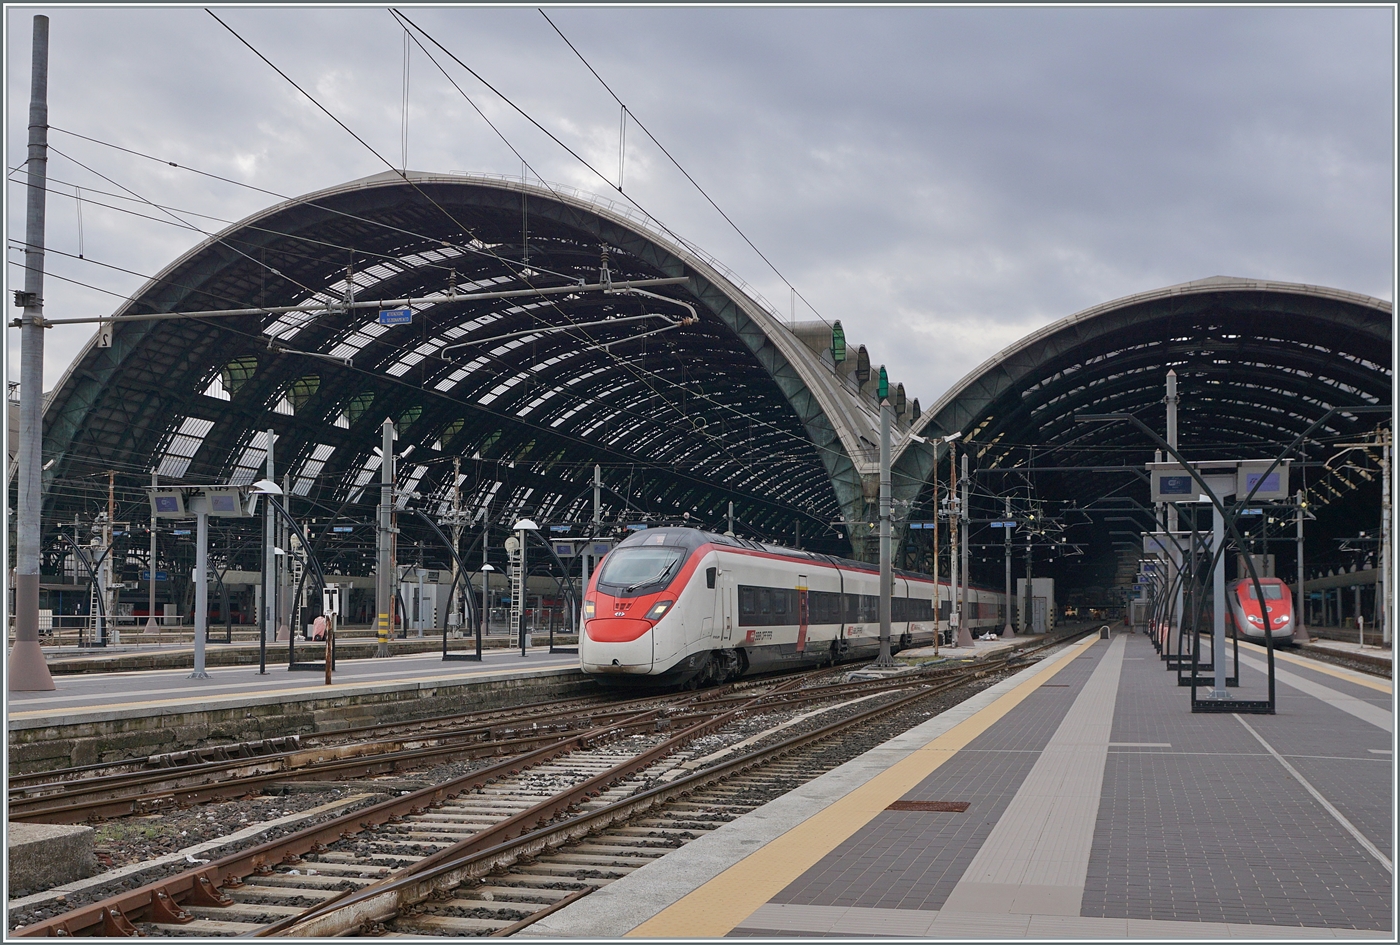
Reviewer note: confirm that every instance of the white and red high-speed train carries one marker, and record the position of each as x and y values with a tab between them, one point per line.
1278	609
680	606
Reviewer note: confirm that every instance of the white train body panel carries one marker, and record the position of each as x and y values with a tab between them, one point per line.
717	607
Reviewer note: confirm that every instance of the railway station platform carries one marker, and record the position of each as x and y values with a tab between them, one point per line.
101	716
1080	798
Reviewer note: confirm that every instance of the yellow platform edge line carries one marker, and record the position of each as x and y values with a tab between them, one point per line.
1321	667
717	907
212	702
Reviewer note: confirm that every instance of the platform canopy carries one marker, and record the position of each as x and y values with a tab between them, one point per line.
1257	363
690	398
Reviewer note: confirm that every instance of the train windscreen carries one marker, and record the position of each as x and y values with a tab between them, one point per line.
632	569
1271	592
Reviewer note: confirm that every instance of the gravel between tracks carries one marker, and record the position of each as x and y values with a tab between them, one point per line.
134	840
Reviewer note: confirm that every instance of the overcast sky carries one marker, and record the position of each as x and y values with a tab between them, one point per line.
942	180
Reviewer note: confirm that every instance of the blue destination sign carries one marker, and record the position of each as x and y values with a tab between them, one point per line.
922	525
180	531
160	575
396	316
1250	512
636	528
561	528
1177	485
1002	524
342	529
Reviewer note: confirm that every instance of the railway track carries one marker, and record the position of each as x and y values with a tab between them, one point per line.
406	859
144	786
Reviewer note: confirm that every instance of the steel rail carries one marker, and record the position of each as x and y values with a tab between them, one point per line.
93	798
200	886
385	899
493	718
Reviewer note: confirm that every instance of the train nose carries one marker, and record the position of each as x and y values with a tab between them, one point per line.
616	645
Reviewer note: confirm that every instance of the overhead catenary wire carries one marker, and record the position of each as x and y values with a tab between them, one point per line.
626	113
520	273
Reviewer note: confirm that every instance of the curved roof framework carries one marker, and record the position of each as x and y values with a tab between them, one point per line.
731	408
1257	363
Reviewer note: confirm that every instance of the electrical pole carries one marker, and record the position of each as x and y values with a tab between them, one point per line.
886	574
109	594
485	569
269	586
964	633
1383	605
151	613
1027	617
1300	623
384	572
1173	515
201	586
457	593
937	565
1006	630
955	619
28	670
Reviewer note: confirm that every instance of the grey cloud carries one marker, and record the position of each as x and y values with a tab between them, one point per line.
943	180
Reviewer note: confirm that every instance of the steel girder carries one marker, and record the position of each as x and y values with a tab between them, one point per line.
733	408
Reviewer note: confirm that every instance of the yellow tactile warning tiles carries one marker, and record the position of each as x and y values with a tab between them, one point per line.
717	907
1321	667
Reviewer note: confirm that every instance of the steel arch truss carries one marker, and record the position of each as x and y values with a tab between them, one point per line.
683	421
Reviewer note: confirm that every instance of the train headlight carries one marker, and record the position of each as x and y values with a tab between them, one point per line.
1283	619
1259	621
588	608
658	609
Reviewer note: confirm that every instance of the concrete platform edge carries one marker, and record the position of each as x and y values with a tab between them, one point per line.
323	693
621	906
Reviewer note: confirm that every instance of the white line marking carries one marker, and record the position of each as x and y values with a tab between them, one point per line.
1365	711
1379	751
1139	744
1326	804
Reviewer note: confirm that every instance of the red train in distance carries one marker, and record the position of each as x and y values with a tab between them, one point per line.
1277	614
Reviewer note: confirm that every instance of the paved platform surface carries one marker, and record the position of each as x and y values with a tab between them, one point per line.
1098	806
149	692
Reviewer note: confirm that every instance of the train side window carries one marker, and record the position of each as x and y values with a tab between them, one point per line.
747	603
780	602
710	577
765	600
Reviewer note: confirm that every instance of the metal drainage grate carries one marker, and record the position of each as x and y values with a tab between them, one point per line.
952	807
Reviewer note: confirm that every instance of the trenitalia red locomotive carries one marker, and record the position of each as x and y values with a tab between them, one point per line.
1278	612
684	607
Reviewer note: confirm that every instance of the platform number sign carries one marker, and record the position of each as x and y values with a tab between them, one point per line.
330	600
